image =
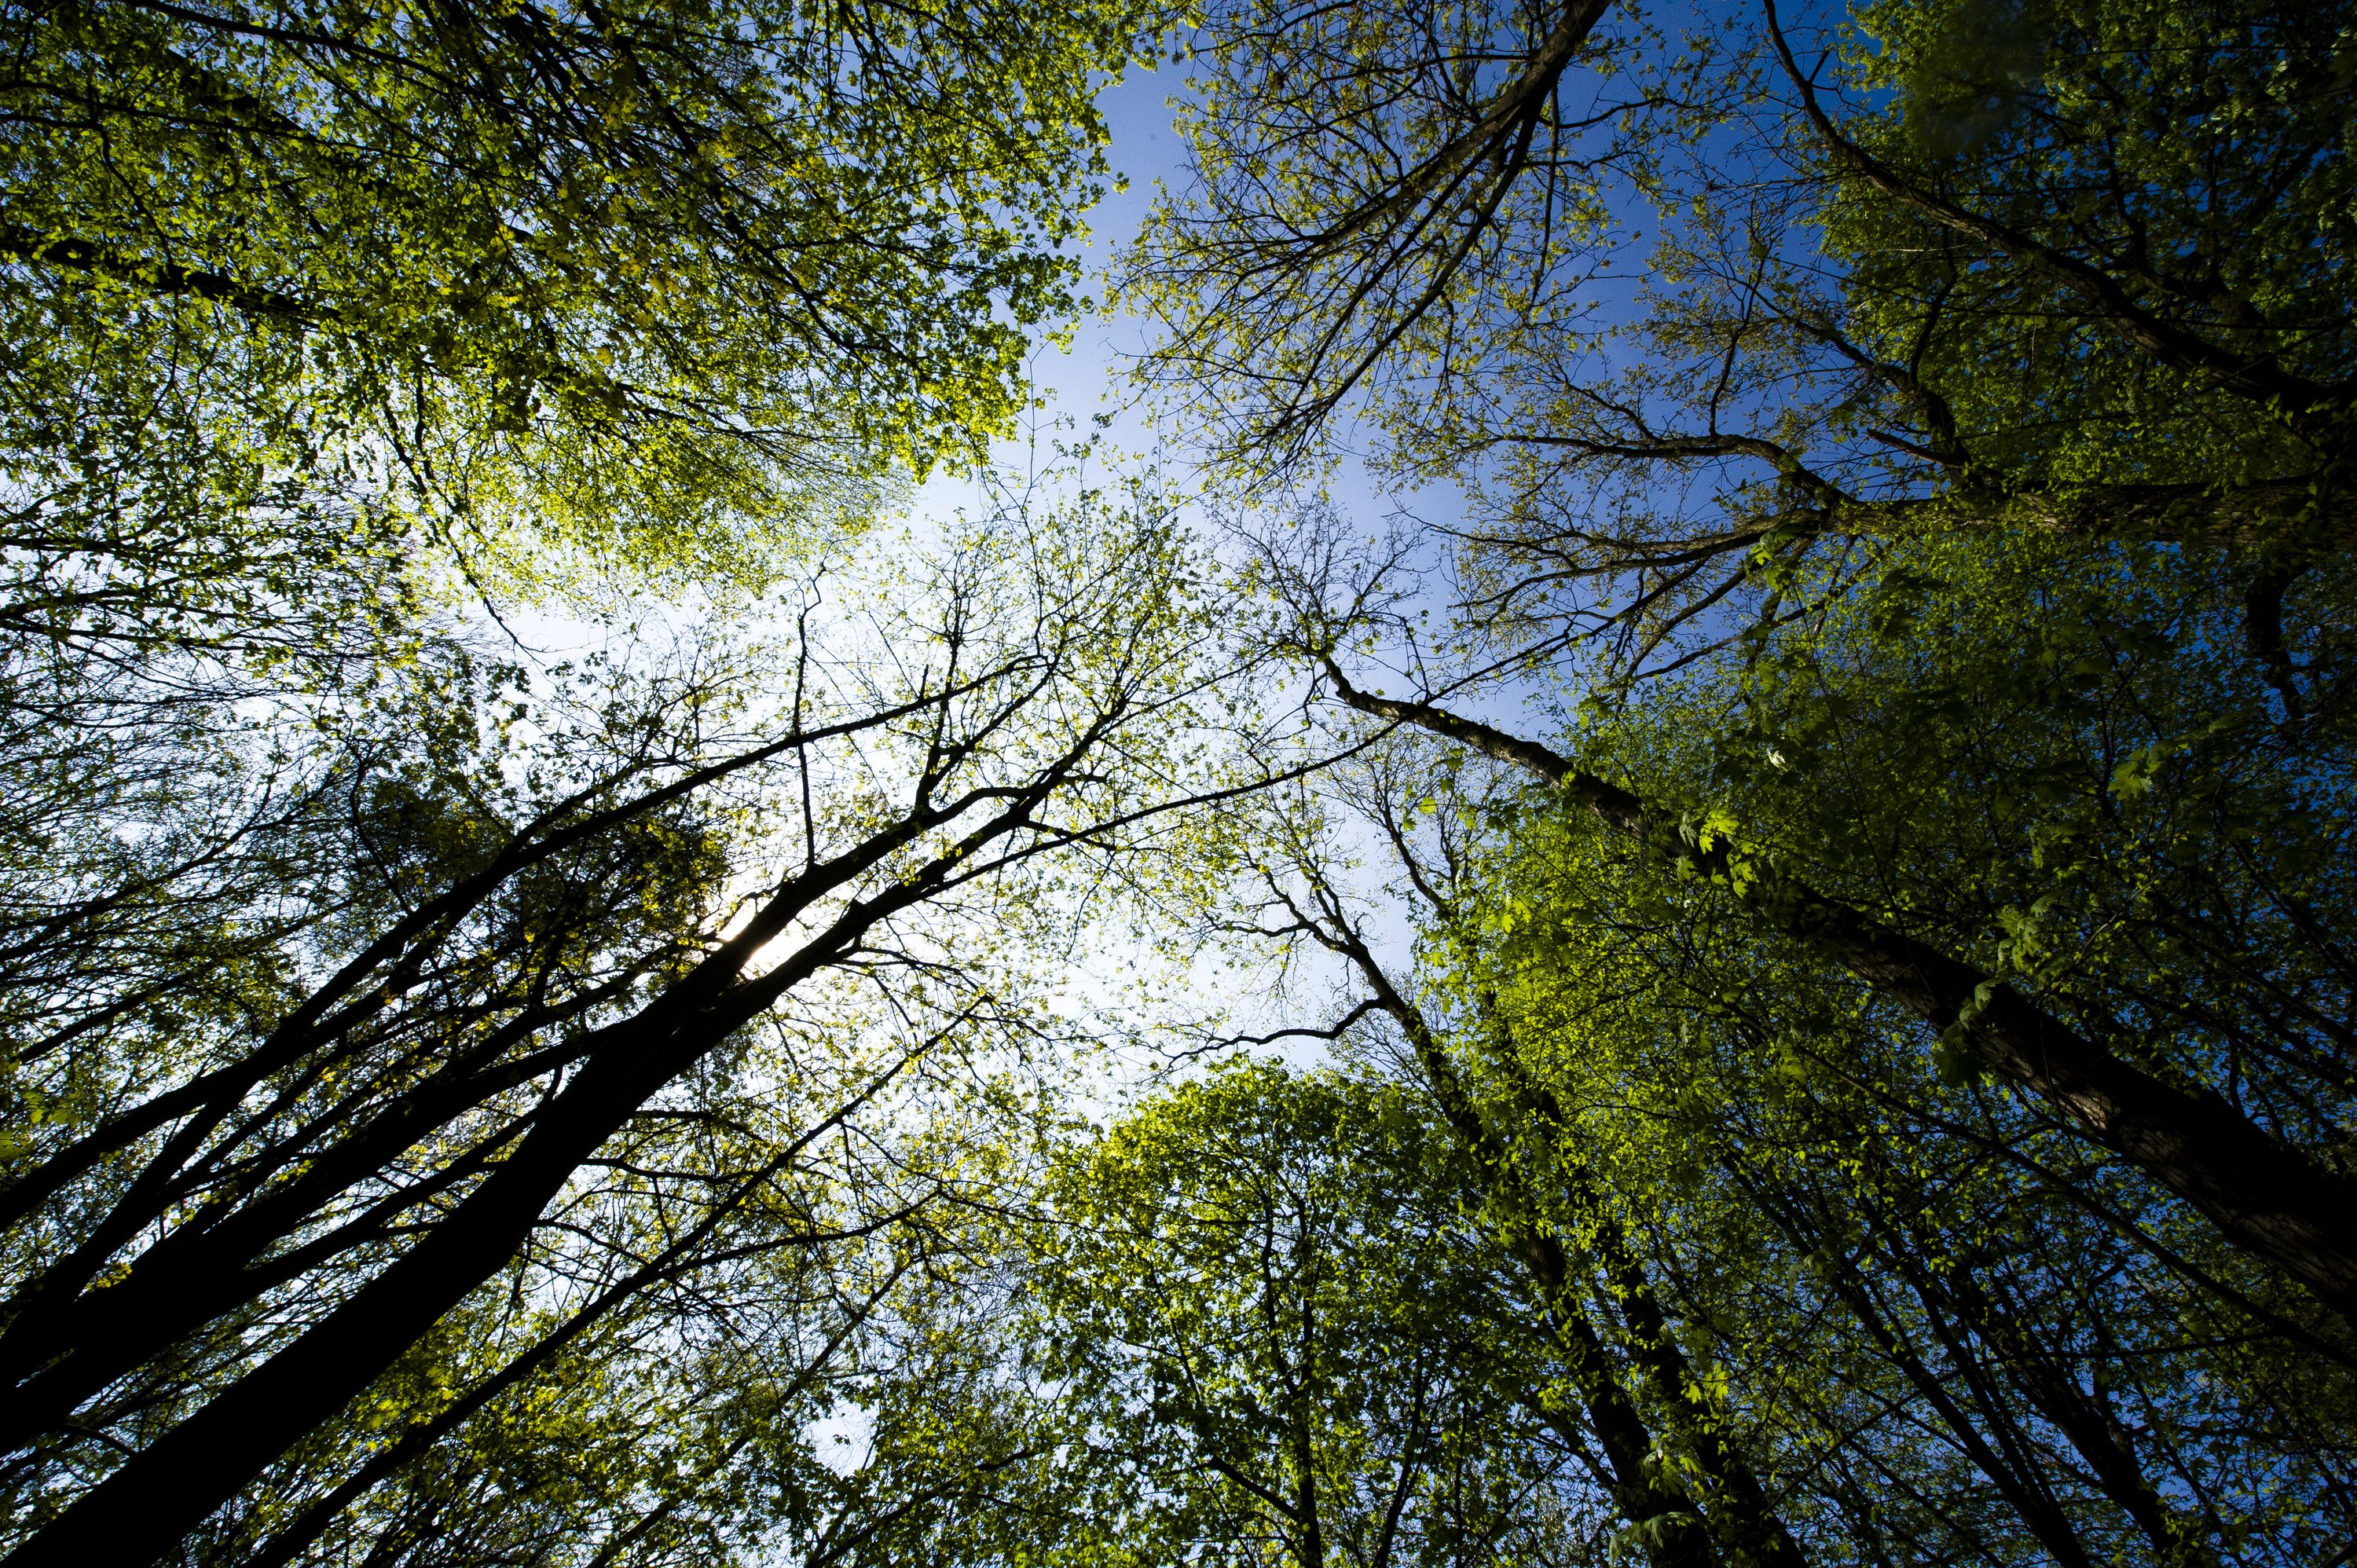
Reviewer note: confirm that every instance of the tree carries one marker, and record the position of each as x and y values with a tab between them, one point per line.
676	283
1754	355
1646	1424
2257	1185
1949	934
1916	1246
247	1230
1919	1314
1258	1303
2081	272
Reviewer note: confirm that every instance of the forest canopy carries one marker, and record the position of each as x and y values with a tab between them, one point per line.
1674	888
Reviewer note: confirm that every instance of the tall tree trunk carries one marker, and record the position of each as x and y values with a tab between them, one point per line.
2263	1196
141	1511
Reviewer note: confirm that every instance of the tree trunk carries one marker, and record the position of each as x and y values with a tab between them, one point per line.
141	1511
2264	1196
1670	1527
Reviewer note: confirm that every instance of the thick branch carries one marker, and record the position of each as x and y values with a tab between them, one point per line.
160	277
1509	112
